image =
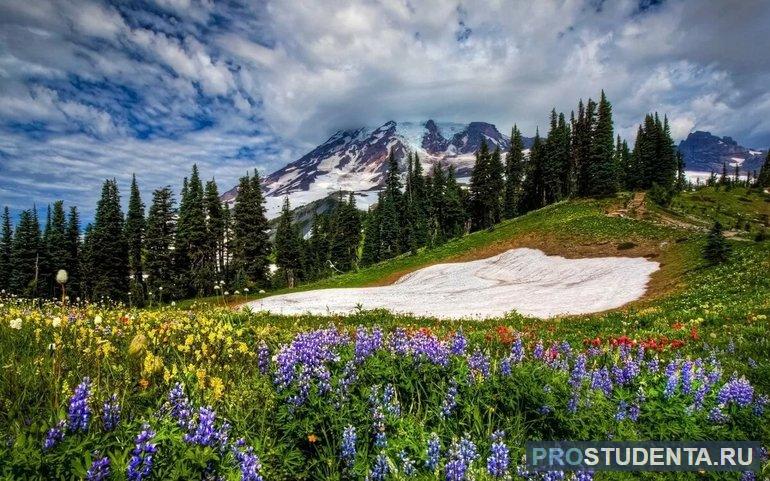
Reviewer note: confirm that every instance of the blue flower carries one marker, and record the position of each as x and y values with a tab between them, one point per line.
248	462
459	342
99	470
111	413
79	412
263	357
461	456
381	468
140	463
407	465
736	390
54	435
433	452
349	446
450	400
180	407
497	462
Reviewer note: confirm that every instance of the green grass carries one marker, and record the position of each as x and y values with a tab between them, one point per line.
734	208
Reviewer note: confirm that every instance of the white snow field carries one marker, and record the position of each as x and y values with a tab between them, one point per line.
523	280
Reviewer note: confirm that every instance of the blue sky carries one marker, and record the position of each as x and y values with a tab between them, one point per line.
92	89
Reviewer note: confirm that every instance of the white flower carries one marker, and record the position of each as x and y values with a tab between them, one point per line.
52	347
173	303
15	323
98	319
261	291
246	290
237	293
56	322
62	277
227	293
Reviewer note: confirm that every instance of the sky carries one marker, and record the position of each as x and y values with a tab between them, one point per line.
92	89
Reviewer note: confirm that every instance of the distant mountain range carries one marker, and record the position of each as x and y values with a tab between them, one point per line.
704	152
357	160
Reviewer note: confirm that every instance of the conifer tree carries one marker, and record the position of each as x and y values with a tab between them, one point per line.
288	246
319	247
437	222
346	235
370	253
418	207
534	186
109	249
681	178
215	213
45	275
58	247
25	255
6	243
716	250
391	228
514	170
602	172
86	263
192	237
251	243
486	188
134	233
159	241
763	179
74	247
453	215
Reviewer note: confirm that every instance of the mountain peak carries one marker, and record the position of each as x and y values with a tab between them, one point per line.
704	152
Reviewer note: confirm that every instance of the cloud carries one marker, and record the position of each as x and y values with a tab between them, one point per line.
91	89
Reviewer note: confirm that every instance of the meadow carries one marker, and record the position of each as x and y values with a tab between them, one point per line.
202	391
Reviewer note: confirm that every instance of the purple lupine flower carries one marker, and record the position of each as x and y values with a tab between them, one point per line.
584	476
203	432
672	379
111	413
748	476
553	476
565	348
458	344
578	372
717	416
306	352
505	366
426	347
263	357
545	409
390	401
517	351
367	343
759	405
54	435
381	468
633	412
349	446
573	403
538	352
497	462
180	407
731	347
687	377
398	342
248	462
433	452
461	455
140	464
479	364
622	411
345	381
736	390
450	400
99	469
600	379
653	365
407	465
79	412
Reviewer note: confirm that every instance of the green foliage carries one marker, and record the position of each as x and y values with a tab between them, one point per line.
514	170
251	244
6	244
134	233
288	246
716	250
109	251
25	255
159	240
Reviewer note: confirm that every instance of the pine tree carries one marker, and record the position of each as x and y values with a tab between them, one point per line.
86	263
134	234
159	241
251	244
318	249
436	198
25	255
288	246
716	250
418	207
602	171
370	253
346	235
110	251
534	186
391	229
486	187
514	170
74	246
453	215
58	247
192	238
45	277
6	244
215	213
763	179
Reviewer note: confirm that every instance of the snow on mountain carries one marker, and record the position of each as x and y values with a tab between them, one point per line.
704	152
357	160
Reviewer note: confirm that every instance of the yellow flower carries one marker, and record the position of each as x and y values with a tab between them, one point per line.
217	387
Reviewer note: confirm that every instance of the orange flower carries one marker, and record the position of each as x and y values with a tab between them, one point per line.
143	383
312	438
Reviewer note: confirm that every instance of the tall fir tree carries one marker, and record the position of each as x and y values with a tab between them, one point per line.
370	252
45	278
58	246
86	287
534	185
716	250
602	171
192	238
391	229
6	245
110	250
436	193
251	244
514	170
763	178
486	187
74	245
453	214
288	246
25	255
346	235
159	242
215	223
134	233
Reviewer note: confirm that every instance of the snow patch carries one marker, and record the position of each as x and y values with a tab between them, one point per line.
523	280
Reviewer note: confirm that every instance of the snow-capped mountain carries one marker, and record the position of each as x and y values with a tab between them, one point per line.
357	160
704	152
